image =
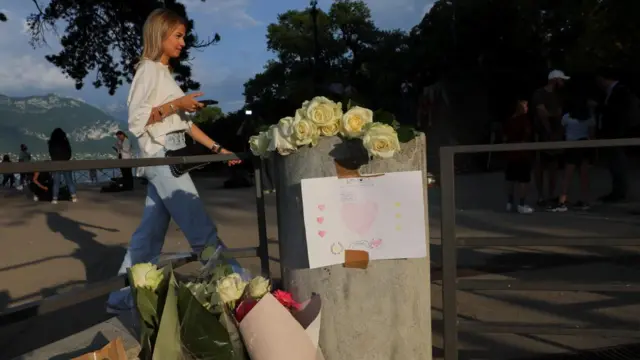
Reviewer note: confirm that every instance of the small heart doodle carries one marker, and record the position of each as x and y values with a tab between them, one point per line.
376	243
320	220
322	233
321	207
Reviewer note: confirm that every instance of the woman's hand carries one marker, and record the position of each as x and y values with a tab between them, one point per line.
189	103
231	162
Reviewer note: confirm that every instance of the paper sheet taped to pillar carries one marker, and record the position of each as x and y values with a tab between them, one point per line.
383	215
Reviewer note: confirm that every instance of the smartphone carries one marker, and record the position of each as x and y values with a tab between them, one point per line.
208	102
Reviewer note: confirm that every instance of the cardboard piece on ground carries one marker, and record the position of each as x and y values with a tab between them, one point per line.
356	259
112	351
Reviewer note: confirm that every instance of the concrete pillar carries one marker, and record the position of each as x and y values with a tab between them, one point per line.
381	313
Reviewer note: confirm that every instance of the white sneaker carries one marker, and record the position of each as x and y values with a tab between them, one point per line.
74	199
525	209
35	198
509	207
54	201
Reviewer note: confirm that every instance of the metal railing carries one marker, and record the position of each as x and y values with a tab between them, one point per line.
450	242
91	291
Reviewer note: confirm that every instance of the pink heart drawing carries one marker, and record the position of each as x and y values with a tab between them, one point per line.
376	243
320	219
321	207
322	233
359	217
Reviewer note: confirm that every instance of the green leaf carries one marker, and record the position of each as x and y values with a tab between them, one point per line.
406	133
203	336
384	117
227	320
168	342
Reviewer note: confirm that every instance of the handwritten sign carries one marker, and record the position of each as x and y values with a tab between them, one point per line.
383	215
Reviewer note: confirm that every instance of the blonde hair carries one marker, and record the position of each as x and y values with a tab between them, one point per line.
156	29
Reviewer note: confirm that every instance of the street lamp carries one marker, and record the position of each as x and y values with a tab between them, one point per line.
316	47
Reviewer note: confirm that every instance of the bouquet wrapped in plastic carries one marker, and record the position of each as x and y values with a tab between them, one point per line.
221	314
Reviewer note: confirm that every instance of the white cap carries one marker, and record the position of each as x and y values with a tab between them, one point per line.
558	74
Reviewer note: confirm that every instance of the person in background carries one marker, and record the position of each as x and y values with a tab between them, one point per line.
615	121
547	113
517	129
25	156
41	187
8	178
60	150
158	118
579	124
93	176
123	146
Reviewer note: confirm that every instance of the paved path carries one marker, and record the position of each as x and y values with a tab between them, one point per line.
49	249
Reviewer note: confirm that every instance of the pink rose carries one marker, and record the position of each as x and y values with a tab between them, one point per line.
286	299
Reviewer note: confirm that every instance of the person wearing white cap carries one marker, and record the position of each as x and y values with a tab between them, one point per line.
547	113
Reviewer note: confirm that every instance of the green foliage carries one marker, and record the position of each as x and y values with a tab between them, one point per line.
105	36
352	52
158	312
202	333
209	114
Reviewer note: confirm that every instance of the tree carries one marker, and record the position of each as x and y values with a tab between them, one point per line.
105	36
353	54
208	115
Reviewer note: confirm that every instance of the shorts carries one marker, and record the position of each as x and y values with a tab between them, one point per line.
548	156
518	171
578	156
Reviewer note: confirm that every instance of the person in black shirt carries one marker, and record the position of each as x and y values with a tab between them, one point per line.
8	178
60	150
615	123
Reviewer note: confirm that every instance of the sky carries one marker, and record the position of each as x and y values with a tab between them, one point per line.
221	69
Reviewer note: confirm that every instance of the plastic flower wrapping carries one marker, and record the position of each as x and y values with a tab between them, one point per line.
222	313
379	132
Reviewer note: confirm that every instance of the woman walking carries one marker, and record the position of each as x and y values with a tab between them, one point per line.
157	108
60	150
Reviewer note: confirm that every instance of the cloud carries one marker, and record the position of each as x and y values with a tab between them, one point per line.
23	68
19	73
222	12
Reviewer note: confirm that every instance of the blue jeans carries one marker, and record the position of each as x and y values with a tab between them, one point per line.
68	179
167	197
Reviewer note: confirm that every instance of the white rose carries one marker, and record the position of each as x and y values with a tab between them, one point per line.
259	144
330	130
230	288
354	120
381	140
146	275
305	132
321	111
337	112
281	137
259	287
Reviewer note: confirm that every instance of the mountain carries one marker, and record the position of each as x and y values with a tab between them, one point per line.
30	120
118	111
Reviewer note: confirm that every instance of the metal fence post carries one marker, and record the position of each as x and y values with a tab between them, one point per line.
449	253
263	247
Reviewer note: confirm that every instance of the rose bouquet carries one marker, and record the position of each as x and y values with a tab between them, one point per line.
221	314
379	132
